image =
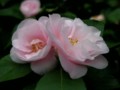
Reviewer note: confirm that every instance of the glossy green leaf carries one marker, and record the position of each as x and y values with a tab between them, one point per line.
99	25
12	11
10	70
59	80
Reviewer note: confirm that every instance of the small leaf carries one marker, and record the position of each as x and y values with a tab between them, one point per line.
11	11
69	15
10	70
114	16
59	80
112	44
3	2
99	25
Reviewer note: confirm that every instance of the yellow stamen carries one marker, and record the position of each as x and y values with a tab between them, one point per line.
73	41
37	46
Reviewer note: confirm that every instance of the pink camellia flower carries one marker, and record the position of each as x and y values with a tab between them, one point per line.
30	7
78	45
32	44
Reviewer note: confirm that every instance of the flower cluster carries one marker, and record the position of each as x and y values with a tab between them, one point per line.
76	44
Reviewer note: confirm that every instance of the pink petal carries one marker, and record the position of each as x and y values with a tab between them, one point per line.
75	71
18	44
44	65
26	22
99	62
43	19
30	32
15	57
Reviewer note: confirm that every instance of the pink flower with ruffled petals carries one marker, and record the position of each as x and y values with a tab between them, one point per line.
78	45
32	44
30	7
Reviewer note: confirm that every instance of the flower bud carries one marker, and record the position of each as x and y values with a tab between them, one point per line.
30	7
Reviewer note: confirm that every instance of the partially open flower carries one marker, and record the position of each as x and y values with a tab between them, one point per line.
32	44
77	45
30	7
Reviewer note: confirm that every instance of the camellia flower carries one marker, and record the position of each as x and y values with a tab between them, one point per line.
30	7
78	45
32	44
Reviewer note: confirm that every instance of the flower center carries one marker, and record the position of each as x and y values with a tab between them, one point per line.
36	45
73	41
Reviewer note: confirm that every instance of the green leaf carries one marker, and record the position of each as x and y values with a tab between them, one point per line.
12	11
114	16
10	70
112	44
69	15
99	25
3	2
59	80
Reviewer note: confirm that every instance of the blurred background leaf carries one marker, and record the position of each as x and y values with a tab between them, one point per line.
114	16
101	80
12	11
3	2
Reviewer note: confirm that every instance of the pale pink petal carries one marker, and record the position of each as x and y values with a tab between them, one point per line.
44	65
19	45
91	48
54	24
75	71
26	22
100	62
79	22
30	32
15	57
43	19
102	46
